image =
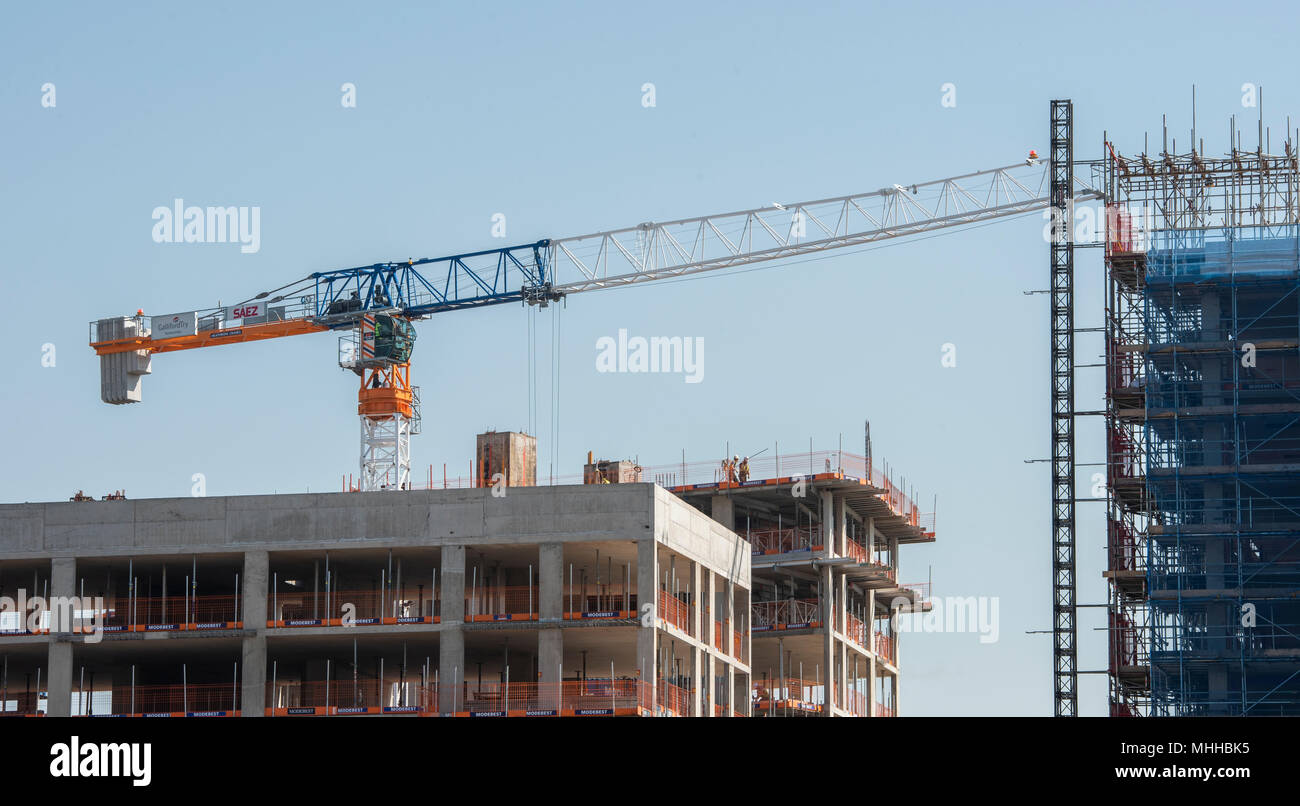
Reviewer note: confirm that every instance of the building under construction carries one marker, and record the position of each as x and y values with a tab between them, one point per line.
1203	430
613	597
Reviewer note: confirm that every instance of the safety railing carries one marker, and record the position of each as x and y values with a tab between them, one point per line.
25	703
503	603
600	600
675	612
671	700
885	710
785	614
856	630
347	696
346	608
856	703
883	645
783	540
792	693
157	613
681	474
920	592
179	699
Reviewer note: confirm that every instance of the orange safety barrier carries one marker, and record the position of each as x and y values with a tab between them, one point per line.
148	614
344	696
502	603
675	612
885	710
363	607
856	630
672	700
737	645
884	646
719	630
591	697
194	699
604	600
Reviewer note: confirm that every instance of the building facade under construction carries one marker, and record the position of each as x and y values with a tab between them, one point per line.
1203	431
613	597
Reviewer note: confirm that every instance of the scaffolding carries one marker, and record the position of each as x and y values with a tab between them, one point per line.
1203	432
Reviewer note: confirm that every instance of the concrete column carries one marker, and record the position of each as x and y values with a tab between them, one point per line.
647	590
710	664
550	642
841	526
699	596
451	637
724	512
871	686
731	690
550	564
828	522
252	608
63	576
697	682
828	636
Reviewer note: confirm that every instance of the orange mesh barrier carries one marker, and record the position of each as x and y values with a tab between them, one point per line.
169	699
517	601
673	699
675	612
603	598
884	646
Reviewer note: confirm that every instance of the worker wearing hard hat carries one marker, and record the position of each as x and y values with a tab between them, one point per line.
744	470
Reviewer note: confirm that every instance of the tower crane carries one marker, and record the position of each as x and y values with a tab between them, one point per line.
372	307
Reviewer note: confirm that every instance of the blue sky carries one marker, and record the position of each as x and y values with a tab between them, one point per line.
466	110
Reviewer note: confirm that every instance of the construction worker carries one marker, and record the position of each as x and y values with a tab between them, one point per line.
744	470
731	468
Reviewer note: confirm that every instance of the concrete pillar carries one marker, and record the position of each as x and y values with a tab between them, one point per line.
828	636
63	574
647	590
252	608
550	564
828	522
451	637
697	682
871	686
731	690
841	526
724	512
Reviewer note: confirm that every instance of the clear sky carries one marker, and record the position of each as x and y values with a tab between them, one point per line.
535	111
